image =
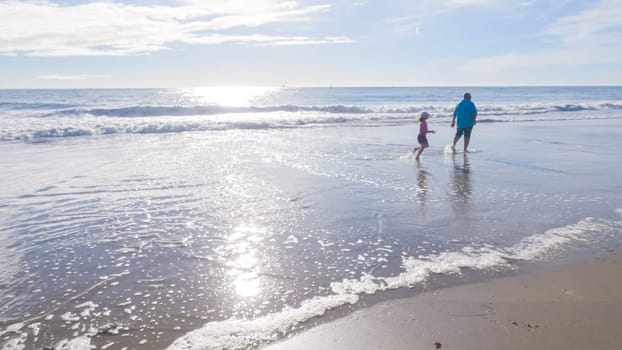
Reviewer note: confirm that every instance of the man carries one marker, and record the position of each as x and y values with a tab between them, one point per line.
466	113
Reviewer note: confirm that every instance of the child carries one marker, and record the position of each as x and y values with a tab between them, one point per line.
423	131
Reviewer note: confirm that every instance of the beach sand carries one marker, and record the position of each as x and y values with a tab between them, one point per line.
154	237
573	306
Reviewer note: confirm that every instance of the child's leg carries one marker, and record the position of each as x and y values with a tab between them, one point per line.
420	151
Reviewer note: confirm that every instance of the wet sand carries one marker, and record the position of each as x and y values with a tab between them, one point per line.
128	249
574	306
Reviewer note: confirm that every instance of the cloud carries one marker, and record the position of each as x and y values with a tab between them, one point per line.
405	25
464	3
421	10
43	28
72	77
589	37
601	23
267	40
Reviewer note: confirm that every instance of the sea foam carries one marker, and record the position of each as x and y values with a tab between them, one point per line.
237	333
158	111
241	334
23	121
89	127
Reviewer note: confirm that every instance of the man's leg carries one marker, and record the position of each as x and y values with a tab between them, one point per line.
456	139
467	138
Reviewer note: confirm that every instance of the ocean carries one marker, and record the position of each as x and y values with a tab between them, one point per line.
232	217
29	115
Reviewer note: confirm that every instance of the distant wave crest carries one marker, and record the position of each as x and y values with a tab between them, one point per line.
61	132
157	127
156	111
33	106
33	123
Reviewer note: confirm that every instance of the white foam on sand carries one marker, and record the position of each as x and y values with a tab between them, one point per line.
16	343
13	328
79	343
69	317
82	342
88	306
241	334
535	246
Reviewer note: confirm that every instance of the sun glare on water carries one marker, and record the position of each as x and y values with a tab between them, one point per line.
233	96
242	244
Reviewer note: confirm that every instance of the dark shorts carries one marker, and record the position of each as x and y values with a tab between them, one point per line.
422	139
465	131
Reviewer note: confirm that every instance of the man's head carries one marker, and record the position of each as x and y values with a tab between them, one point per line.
467	96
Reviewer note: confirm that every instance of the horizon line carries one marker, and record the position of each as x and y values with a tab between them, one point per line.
315	86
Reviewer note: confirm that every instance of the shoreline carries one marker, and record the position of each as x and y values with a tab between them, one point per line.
573	306
420	213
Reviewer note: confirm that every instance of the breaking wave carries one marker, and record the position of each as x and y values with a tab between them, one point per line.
19	121
155	111
241	334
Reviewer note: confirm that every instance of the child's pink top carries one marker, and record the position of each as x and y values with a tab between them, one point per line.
423	127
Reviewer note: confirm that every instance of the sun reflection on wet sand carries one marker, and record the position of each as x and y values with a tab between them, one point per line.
247	284
242	245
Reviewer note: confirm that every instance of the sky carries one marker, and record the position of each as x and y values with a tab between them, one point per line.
190	43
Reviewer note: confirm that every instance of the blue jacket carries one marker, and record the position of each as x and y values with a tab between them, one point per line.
464	112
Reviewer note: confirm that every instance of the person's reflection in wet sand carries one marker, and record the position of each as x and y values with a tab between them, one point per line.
461	190
422	183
